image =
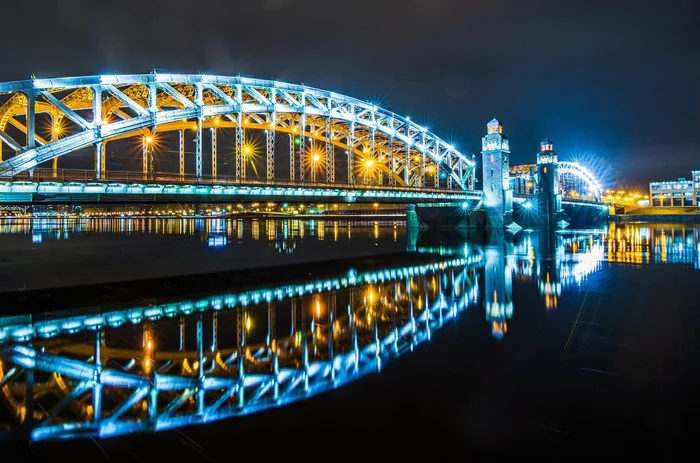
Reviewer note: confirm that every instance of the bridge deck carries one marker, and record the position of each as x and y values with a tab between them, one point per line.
126	187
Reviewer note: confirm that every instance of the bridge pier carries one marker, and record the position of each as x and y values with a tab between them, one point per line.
444	215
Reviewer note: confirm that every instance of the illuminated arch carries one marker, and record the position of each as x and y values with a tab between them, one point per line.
577	170
131	105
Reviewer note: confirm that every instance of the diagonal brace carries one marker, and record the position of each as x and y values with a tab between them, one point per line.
70	114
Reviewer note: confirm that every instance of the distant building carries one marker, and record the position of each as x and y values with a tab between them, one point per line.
676	193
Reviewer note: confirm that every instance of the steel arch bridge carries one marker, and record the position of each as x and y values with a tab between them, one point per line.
583	175
67	388
572	176
325	129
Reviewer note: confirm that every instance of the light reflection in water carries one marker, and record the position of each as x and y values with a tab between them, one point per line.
191	361
216	232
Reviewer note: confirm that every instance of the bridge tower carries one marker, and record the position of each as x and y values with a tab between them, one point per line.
547	194
498	197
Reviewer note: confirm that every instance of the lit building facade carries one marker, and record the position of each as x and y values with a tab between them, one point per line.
676	193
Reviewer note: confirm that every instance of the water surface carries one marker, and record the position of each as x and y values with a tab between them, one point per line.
580	341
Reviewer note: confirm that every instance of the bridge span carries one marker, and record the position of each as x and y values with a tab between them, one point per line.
82	187
193	138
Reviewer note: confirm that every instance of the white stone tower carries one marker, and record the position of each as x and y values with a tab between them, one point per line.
548	194
495	152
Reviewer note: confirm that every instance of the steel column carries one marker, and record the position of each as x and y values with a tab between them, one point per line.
198	100
372	153
99	160
31	118
240	138
392	181
302	142
213	153
182	153
270	148
351	153
330	158
198	150
144	157
291	157
423	165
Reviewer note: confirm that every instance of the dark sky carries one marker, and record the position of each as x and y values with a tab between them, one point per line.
618	79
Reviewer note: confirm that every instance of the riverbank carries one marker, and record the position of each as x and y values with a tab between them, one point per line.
660	215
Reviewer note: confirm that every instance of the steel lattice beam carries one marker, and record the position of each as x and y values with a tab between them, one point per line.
156	100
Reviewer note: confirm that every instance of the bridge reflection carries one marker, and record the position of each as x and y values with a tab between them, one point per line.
106	373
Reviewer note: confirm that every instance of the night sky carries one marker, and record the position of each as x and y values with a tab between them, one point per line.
619	80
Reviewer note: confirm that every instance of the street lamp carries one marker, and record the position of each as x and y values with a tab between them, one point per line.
314	158
369	164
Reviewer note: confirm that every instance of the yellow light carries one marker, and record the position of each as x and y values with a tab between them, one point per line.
194	126
57	129
318	309
248	323
149	345
369	163
431	169
149	139
217	121
316	157
247	149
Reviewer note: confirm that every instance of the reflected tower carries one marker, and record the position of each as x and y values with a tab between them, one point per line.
498	295
549	267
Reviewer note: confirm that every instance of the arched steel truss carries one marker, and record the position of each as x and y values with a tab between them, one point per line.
104	108
577	170
106	391
565	168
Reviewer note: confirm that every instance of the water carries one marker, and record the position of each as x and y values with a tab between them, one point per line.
581	341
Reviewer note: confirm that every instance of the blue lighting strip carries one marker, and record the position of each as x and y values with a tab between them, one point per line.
257	391
349	195
25	329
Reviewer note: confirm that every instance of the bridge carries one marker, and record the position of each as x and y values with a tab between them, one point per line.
204	138
272	131
227	354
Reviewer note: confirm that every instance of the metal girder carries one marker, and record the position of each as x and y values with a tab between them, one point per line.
126	100
177	96
584	174
69	113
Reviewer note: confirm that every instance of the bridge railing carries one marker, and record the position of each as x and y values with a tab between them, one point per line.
90	176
